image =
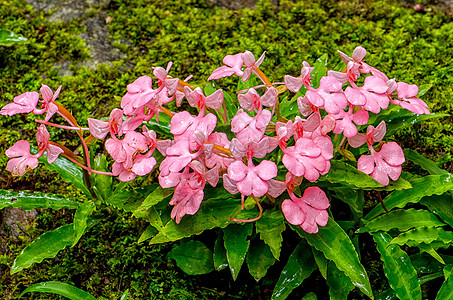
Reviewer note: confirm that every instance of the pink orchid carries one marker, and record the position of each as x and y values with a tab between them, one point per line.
21	160
295	83
100	129
326	125
383	164
309	158
233	64
253	101
329	95
196	98
357	57
250	128
344	121
250	179
139	93
372	135
351	75
253	149
189	188
407	98
372	96
48	105
195	130
250	64
141	166
24	103
218	158
42	137
123	151
178	157
309	211
171	84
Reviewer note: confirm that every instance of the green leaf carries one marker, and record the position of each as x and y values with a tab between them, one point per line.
149	232
446	290
354	198
321	262
349	176
231	105
398	118
431	251
270	227
8	38
339	284
336	245
236	244
320	70
425	264
440	205
193	257
259	259
423	235
310	296
422	187
45	246
300	265
423	89
288	108
214	212
398	268
130	200
124	296
426	164
59	288
402	220
102	183
29	201
152	199
69	171
220	259
80	219
161	127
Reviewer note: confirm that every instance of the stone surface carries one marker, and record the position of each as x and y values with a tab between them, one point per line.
13	221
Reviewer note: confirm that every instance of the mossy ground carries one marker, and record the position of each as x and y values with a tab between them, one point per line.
412	47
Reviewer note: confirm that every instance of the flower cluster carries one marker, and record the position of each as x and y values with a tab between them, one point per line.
197	154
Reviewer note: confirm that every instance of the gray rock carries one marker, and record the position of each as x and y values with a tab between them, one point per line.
13	221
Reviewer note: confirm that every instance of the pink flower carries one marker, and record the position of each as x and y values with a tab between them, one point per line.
250	128
253	101
42	137
309	211
24	103
329	95
407	98
141	166
123	151
250	64
372	96
344	121
48	101
218	158
171	84
178	157
197	98
189	188
100	129
21	160
295	83
139	93
372	135
384	164
309	158
250	179
233	64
